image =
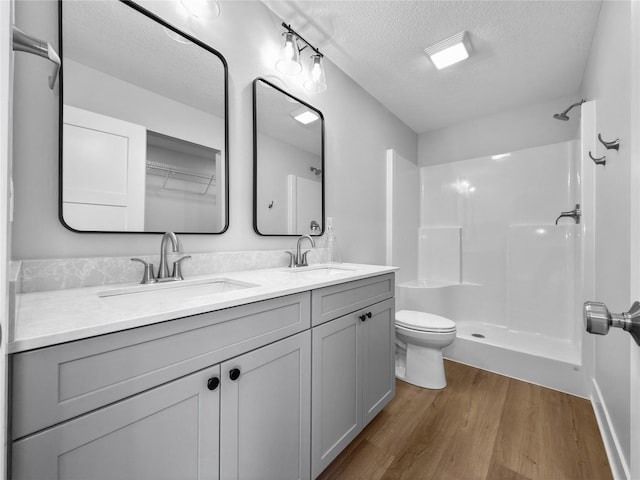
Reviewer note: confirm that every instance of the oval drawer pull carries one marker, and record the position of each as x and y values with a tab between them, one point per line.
234	373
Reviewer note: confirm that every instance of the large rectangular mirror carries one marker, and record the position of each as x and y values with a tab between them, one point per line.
143	128
288	163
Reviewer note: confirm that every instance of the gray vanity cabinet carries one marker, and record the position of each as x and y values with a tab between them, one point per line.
352	364
377	340
168	432
232	384
249	392
336	385
265	412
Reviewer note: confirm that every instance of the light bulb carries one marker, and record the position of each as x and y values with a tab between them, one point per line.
288	50
289	62
317	82
316	72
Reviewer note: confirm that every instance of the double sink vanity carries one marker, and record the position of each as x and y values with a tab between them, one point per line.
254	374
261	374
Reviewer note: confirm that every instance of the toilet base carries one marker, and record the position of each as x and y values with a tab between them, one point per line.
425	367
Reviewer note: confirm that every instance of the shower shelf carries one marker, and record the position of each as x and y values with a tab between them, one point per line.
434	284
170	172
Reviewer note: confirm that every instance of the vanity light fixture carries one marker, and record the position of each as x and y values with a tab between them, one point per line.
289	61
304	116
450	50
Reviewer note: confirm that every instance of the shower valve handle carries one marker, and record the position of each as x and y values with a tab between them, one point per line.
599	319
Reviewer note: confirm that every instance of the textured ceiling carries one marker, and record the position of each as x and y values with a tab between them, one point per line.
524	52
117	40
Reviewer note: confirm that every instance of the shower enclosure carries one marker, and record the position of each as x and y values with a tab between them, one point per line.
491	257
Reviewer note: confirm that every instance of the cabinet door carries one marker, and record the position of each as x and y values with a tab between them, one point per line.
168	432
336	403
265	412
377	347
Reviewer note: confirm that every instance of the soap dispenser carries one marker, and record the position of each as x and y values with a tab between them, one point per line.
331	244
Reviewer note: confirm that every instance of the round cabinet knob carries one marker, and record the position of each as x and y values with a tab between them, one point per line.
234	373
597	318
213	383
362	317
368	314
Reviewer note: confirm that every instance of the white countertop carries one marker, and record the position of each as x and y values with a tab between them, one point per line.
51	317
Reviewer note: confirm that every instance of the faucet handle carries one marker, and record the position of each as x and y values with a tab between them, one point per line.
303	260
177	270
292	259
147	276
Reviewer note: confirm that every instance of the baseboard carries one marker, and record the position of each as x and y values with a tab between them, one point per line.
619	466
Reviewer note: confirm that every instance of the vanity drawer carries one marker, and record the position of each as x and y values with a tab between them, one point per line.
57	383
337	300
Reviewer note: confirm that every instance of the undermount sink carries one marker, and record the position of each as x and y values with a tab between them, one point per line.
320	271
180	289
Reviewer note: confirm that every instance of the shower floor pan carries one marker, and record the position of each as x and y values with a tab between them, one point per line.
545	361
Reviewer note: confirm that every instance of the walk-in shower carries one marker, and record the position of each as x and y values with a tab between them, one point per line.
493	255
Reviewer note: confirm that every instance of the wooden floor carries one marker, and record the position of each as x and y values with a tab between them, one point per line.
482	426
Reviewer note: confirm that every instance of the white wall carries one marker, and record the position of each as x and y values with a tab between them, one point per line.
131	103
403	216
358	132
607	81
530	126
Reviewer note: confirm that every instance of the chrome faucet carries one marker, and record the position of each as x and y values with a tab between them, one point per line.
163	270
576	213
299	259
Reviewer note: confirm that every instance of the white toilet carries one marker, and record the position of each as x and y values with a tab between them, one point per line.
420	338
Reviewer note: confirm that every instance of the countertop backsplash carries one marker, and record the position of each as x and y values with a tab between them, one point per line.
59	274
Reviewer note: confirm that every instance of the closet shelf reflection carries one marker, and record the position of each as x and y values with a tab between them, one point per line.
171	172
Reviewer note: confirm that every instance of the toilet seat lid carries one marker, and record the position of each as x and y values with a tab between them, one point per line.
425	322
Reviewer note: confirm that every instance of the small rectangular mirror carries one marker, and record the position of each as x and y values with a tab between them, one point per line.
288	163
143	130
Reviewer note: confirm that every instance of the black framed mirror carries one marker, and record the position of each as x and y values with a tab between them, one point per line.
288	163
143	124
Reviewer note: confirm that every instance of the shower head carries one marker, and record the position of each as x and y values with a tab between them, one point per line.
563	115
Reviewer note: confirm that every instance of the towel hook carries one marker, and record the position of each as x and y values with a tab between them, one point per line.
23	42
598	161
613	145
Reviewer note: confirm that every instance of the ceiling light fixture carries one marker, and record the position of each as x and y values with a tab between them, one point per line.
304	116
289	61
450	50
